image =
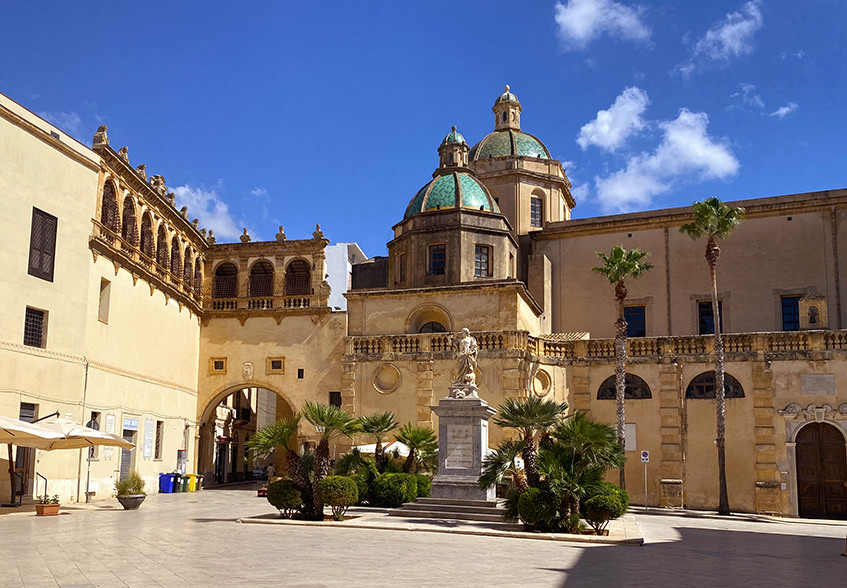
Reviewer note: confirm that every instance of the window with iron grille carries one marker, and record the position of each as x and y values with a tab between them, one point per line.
536	211
226	281
109	209
703	386
298	279
437	259
791	313
42	245
481	267
129	230
706	317
147	245
636	321
262	279
34	327
335	399
635	388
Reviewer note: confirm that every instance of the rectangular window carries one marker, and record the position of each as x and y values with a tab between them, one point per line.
706	318
217	365
481	261
437	259
35	327
300	373
511	265
42	245
536	216
791	313
401	268
275	365
335	399
636	321
93	423
105	295
160	431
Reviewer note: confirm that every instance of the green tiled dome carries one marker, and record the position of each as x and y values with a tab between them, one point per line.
452	190
508	143
454	137
507	96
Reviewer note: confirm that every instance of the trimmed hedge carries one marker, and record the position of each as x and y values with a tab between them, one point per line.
424	485
609	502
285	496
339	492
537	509
392	490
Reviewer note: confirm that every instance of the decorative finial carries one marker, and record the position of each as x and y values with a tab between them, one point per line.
280	236
454	128
245	238
507	88
211	238
318	234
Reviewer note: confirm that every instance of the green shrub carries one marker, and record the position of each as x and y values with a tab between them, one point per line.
537	509
285	496
132	484
339	492
601	508
392	490
424	485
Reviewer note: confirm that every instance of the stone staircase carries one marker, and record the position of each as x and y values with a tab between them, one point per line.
488	511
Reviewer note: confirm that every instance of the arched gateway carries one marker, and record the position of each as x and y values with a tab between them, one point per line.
821	472
227	422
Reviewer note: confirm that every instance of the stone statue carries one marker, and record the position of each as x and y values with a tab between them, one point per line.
467	348
324	289
211	238
184	212
100	137
280	236
245	238
124	153
158	184
142	171
318	234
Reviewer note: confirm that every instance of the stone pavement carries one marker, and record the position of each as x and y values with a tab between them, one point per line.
192	539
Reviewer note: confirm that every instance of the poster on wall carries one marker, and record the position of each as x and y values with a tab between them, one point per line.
110	428
148	438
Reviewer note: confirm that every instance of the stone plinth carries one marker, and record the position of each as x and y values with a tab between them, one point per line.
462	445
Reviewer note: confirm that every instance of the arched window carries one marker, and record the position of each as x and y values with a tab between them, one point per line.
188	267
176	258
129	228
147	245
432	327
703	386
261	279
298	279
162	255
198	277
109	209
636	388
226	281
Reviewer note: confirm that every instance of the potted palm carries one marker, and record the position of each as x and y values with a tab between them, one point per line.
46	506
130	491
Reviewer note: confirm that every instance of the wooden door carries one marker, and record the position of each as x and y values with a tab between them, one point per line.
821	472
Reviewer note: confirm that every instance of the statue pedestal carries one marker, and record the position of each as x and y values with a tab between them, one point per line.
462	444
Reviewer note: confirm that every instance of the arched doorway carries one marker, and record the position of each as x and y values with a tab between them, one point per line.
821	472
227	423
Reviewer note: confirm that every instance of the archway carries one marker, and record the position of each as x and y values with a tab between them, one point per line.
821	471
228	421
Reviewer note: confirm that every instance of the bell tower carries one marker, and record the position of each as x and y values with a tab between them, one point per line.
507	112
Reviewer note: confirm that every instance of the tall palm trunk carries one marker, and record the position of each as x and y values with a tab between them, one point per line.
713	252
321	470
530	460
297	474
620	372
409	464
379	457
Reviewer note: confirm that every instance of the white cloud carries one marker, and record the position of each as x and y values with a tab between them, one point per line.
747	96
582	21
784	111
259	192
686	154
213	212
611	128
726	39
70	122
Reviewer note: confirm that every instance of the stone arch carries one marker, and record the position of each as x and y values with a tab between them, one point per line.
176	257
129	223
109	208
148	242
162	254
261	279
298	278
225	284
429	313
187	267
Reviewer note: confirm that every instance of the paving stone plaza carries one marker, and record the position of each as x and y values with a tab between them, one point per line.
195	539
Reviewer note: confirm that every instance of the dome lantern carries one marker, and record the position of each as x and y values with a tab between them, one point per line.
507	112
453	151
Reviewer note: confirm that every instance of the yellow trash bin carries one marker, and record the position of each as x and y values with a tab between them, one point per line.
192	482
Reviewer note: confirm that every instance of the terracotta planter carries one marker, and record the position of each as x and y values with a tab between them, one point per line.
131	501
46	510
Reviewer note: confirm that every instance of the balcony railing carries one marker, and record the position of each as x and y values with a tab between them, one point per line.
260	303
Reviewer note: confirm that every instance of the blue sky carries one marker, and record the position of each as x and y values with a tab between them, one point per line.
262	114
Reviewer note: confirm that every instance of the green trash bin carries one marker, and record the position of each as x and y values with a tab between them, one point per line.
183	483
177	483
192	482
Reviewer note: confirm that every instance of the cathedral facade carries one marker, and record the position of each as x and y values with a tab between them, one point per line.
154	326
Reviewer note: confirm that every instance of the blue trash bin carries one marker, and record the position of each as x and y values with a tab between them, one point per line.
166	483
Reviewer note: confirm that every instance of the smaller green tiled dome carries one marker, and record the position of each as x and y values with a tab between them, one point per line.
454	137
507	96
456	189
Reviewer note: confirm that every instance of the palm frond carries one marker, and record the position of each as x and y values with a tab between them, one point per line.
500	463
530	415
331	420
712	218
275	435
621	264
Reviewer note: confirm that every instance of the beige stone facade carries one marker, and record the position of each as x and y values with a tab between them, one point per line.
150	321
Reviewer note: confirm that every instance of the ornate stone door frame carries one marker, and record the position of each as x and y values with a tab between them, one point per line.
797	417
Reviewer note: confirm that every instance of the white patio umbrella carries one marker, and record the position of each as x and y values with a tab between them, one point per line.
388	448
23	434
72	435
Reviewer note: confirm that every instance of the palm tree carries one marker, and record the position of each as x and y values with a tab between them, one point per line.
530	416
330	422
421	441
501	464
280	435
378	426
619	265
716	220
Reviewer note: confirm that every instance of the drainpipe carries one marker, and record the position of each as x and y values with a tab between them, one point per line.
79	467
